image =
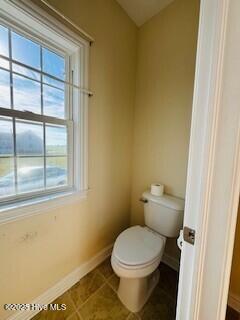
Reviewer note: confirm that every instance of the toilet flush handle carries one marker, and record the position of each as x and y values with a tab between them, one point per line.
143	200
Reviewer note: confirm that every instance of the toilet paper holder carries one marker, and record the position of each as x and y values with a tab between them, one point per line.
143	200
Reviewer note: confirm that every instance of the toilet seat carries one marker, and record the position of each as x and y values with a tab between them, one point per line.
138	247
135	267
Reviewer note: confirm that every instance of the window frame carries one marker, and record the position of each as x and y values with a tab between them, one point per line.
76	52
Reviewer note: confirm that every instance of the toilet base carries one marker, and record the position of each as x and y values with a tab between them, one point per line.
135	292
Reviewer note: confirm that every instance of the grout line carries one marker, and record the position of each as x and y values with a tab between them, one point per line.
82	303
108	282
79	315
76	308
132	313
97	271
70	298
71	316
80	306
95	293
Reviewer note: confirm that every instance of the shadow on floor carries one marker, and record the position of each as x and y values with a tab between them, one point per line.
232	314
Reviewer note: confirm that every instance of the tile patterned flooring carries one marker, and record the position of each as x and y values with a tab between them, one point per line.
94	297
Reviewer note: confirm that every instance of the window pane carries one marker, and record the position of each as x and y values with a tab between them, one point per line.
26	94
54	82
6	137
26	72
56	174
29	138
25	51
5	101
4	63
30	174
53	64
4	47
56	140
53	102
7	178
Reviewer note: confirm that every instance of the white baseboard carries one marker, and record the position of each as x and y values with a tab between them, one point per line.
170	261
64	284
234	301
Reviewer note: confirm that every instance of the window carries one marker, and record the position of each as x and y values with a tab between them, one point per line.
40	113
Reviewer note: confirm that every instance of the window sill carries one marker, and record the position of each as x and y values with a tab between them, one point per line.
26	208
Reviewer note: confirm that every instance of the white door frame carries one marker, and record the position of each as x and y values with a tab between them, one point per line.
213	182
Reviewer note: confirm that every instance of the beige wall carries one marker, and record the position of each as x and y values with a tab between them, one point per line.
37	252
165	77
235	273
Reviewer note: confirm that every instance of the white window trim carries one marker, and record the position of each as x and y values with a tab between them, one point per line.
24	16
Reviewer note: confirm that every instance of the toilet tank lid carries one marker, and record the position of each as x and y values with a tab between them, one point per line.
165	200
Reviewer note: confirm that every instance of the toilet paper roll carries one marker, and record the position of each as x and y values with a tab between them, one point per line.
180	240
157	189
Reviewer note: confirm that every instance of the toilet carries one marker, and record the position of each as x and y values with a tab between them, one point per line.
138	250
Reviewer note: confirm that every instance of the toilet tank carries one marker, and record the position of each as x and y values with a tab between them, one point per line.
163	214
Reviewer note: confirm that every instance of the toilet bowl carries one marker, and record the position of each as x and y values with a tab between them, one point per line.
138	250
136	256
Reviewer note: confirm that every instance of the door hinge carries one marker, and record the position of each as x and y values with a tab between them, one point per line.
189	235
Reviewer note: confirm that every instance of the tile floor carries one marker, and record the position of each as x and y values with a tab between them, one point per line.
94	297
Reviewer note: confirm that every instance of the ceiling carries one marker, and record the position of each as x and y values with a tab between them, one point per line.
142	10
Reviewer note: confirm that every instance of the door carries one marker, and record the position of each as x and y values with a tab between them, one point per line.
214	165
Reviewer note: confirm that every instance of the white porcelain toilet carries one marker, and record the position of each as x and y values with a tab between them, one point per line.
138	250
